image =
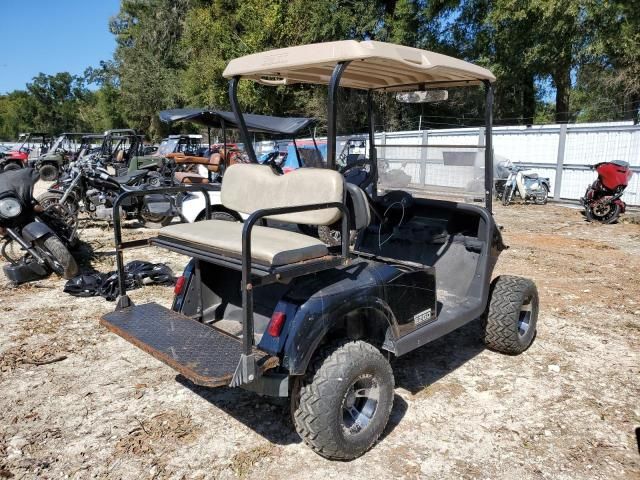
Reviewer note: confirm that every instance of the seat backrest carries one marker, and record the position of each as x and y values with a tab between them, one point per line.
250	187
359	205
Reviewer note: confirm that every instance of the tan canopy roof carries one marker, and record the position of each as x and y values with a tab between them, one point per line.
374	65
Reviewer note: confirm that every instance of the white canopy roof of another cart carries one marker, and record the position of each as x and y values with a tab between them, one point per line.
374	65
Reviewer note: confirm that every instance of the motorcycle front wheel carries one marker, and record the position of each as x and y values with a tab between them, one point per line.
506	195
58	257
603	213
66	213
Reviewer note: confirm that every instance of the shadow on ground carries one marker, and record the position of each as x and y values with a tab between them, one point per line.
414	372
430	363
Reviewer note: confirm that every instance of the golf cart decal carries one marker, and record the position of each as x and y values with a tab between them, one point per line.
424	317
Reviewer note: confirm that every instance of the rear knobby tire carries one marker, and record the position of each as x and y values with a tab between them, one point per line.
512	317
350	376
58	257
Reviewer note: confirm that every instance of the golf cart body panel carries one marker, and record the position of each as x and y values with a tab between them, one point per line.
396	282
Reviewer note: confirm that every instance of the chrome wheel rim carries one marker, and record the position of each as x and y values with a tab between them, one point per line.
360	404
524	318
602	209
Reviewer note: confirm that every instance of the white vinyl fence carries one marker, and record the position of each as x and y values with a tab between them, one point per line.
564	153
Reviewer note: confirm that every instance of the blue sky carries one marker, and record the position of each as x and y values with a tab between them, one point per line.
52	36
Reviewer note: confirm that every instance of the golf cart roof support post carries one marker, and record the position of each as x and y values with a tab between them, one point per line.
224	136
488	146
295	146
313	137
209	136
373	154
332	112
235	107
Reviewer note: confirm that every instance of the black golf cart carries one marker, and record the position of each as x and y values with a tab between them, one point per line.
280	313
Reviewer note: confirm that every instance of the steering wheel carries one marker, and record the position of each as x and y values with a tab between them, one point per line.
396	200
271	161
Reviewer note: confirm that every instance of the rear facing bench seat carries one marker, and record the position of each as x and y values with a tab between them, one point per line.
270	247
247	188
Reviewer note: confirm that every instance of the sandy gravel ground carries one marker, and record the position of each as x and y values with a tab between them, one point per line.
79	402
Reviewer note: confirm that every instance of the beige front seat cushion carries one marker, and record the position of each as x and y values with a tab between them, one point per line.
269	246
250	187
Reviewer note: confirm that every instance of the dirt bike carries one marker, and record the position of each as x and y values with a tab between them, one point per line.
601	201
37	231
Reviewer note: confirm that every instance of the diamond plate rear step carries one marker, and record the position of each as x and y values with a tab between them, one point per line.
205	355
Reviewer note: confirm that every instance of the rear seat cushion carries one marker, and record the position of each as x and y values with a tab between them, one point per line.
269	246
250	187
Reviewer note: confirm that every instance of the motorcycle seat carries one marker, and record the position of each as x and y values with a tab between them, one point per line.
130	177
533	176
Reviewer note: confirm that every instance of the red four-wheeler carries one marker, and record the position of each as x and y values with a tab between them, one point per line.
18	158
281	313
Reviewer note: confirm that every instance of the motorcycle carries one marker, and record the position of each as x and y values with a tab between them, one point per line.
528	185
88	187
601	201
37	231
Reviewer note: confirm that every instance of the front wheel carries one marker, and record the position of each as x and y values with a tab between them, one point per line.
342	405
58	257
512	318
506	195
603	212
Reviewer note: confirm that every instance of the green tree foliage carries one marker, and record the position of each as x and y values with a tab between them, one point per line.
555	60
149	59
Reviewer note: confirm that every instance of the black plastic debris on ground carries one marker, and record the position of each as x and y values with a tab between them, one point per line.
138	274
